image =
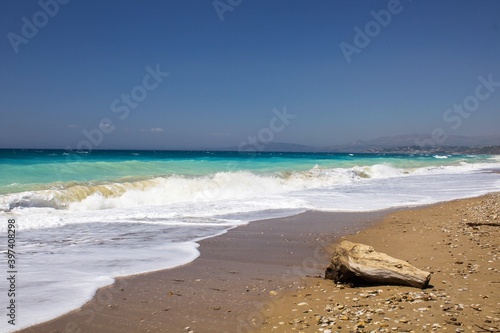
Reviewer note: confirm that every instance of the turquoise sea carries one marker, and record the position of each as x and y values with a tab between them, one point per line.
31	170
84	218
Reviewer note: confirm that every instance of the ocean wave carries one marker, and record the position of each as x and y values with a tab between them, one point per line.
175	188
219	186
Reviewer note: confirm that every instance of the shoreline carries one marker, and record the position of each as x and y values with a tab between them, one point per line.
228	287
232	273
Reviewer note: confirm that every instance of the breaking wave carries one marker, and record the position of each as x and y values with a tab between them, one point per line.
165	190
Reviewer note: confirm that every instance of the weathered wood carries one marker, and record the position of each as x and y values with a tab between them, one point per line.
357	264
478	224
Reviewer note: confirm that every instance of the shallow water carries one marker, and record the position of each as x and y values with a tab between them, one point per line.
85	218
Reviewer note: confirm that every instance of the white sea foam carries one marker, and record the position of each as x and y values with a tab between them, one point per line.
237	185
152	224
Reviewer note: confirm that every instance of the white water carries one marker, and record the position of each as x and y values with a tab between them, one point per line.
67	247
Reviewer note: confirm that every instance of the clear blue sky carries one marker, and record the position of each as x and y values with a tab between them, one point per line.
226	76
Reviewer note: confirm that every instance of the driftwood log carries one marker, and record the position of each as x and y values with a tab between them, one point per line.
359	264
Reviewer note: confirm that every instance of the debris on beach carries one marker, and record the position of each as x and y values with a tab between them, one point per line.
460	248
358	264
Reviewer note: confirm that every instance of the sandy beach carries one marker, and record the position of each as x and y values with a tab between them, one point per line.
221	291
267	277
456	241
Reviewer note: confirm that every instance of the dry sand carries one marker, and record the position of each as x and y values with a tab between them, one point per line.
266	277
456	241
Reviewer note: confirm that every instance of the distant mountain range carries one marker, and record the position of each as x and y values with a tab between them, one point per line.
396	144
414	139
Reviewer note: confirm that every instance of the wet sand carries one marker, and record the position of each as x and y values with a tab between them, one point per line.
223	290
267	277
